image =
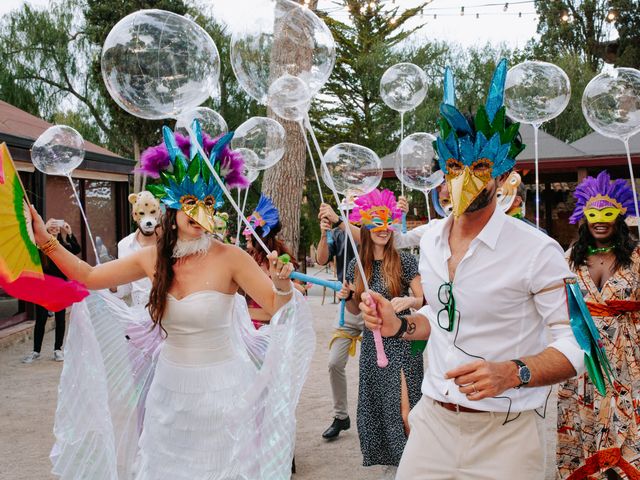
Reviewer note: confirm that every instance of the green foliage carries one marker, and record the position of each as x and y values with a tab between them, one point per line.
81	120
628	26
582	35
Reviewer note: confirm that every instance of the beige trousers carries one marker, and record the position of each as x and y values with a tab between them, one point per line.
445	445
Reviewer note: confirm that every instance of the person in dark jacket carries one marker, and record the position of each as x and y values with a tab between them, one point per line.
62	231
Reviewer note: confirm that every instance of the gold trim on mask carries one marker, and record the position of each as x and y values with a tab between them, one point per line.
467	182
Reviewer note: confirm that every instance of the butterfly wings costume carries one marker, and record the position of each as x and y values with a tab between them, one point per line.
215	399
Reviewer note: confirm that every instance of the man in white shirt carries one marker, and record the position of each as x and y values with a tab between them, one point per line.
494	288
146	213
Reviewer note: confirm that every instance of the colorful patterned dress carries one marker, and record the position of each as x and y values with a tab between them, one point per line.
596	433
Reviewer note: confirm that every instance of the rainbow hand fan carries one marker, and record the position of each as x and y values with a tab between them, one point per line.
21	274
18	251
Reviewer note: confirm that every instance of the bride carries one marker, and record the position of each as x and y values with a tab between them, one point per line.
188	399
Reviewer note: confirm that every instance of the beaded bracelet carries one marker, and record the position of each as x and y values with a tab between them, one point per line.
49	246
282	293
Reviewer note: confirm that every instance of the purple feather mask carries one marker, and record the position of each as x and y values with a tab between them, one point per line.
156	159
601	200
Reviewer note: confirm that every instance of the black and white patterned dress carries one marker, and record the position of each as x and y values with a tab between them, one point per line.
380	425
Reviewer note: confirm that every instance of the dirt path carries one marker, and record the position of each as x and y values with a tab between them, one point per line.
28	401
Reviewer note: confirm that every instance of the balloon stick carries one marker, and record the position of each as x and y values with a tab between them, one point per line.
536	126
313	163
84	217
343	302
238	223
426	197
244	205
377	337
404	214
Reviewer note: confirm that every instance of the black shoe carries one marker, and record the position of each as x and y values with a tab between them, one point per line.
336	427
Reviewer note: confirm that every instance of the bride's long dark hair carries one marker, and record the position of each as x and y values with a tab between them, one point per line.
164	275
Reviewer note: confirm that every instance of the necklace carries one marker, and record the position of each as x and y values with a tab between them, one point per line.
596	251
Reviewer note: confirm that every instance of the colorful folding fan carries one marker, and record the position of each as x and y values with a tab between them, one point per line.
21	274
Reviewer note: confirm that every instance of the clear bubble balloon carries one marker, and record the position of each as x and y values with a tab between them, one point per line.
536	92
289	98
58	151
249	173
264	137
403	87
211	121
414	160
281	37
611	103
157	64
354	169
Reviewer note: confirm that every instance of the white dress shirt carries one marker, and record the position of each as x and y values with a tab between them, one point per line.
139	289
412	237
509	292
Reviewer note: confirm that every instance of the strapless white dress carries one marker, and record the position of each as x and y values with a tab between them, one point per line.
215	400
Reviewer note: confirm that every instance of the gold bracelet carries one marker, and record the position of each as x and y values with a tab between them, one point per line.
49	246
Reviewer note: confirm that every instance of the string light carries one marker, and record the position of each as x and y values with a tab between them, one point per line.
393	21
370	7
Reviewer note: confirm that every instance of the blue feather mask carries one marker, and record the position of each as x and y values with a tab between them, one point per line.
470	156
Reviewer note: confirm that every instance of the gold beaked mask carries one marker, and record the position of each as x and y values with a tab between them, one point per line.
200	211
466	182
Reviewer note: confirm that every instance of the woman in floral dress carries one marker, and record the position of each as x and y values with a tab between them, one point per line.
599	436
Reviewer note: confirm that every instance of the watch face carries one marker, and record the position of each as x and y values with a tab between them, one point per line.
524	374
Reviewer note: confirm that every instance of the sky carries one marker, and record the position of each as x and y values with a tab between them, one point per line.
483	20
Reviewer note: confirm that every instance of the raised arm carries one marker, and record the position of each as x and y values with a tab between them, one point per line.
257	284
94	278
327	212
323	253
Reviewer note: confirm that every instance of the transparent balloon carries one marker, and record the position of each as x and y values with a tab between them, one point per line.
414	161
536	92
58	151
211	121
611	103
355	170
403	87
157	64
281	37
249	173
264	137
289	98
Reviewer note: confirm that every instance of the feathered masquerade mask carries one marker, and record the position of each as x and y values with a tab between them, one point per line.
471	157
265	215
601	200
186	182
376	211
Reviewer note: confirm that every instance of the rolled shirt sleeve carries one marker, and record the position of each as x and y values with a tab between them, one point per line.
548	271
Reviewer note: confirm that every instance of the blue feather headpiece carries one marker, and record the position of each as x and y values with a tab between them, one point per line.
265	215
490	139
187	183
484	151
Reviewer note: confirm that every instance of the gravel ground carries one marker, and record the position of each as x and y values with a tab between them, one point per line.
28	405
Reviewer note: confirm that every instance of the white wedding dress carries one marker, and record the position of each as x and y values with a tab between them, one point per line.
215	400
